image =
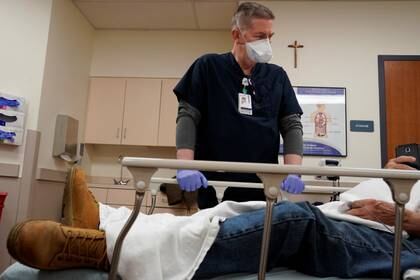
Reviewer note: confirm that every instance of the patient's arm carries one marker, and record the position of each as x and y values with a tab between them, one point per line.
384	212
412	223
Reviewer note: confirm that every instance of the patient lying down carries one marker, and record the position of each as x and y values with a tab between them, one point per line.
352	234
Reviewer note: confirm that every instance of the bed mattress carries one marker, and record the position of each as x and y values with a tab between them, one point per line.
19	271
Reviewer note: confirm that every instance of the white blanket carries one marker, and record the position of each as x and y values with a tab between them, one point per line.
374	188
164	246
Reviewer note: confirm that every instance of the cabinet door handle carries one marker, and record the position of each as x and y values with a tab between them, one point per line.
125	132
118	133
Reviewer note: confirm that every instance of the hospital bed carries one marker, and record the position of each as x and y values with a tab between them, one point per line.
142	169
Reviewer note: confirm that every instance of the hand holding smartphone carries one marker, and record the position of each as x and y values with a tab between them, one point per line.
412	150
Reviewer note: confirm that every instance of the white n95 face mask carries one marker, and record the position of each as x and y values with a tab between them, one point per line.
259	50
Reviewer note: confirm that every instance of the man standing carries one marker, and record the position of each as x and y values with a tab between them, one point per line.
233	107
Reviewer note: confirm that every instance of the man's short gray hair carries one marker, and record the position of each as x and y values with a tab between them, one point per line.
248	11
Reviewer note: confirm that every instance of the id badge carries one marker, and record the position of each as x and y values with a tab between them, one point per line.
244	104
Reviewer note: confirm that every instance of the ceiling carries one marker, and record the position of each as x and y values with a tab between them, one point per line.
162	14
158	14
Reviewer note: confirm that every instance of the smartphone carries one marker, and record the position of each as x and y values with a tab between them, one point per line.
412	150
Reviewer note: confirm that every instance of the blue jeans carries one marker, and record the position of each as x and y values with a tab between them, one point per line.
302	238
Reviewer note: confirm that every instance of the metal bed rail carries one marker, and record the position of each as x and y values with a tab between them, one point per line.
399	181
308	188
219	184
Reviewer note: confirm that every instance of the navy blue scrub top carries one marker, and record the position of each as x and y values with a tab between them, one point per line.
211	85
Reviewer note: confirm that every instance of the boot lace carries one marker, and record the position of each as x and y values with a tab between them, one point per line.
85	248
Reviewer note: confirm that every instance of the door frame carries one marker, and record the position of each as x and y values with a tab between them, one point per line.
382	104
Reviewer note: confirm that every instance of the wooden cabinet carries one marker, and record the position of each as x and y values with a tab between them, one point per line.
131	111
105	110
168	113
141	112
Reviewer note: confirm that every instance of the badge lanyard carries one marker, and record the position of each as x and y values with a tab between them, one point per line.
244	99
247	84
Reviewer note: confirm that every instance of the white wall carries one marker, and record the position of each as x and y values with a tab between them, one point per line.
103	159
165	54
66	75
342	41
23	35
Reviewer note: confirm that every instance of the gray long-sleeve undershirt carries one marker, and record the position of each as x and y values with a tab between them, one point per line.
186	126
189	117
292	131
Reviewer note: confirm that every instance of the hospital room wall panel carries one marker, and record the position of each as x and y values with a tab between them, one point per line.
65	77
46	61
342	41
104	164
25	27
22	56
41	190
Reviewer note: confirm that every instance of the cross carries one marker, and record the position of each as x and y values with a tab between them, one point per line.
295	46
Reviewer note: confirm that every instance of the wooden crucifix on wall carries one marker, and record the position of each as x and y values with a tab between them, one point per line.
295	46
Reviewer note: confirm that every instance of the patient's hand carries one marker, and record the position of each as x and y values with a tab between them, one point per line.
381	211
374	210
398	163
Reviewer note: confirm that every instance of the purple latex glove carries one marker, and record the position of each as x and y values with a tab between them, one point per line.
293	184
190	180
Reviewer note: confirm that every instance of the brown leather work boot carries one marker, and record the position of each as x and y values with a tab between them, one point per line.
49	245
80	208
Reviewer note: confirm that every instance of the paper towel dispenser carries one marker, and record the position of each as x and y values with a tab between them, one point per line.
66	138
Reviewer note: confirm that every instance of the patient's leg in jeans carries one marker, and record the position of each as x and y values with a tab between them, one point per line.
302	238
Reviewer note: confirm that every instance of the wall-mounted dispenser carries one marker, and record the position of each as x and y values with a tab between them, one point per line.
65	139
12	119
